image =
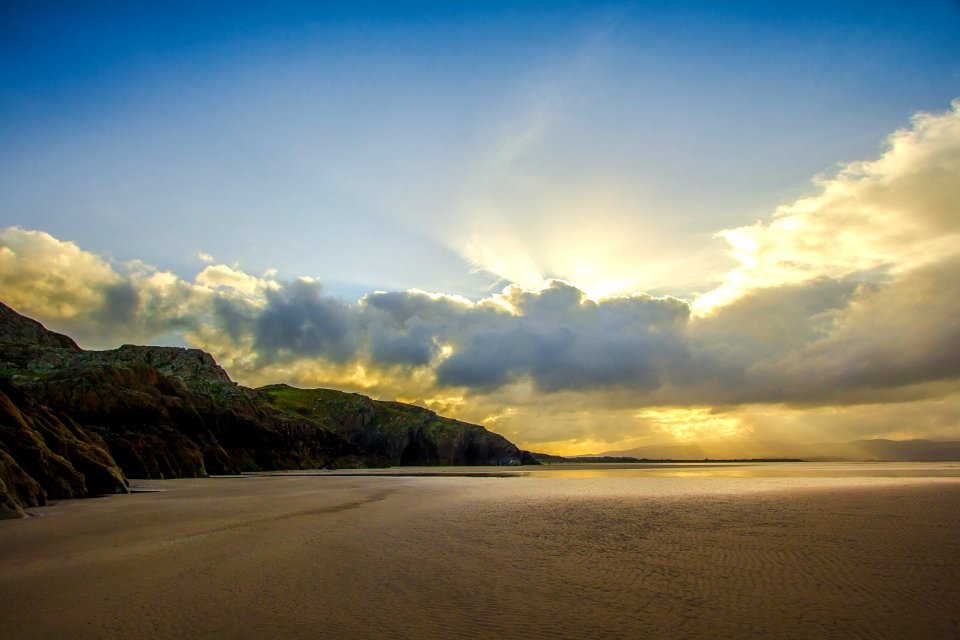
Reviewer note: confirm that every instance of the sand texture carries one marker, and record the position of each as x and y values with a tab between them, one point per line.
388	557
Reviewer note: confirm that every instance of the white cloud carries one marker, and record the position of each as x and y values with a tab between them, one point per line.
877	218
100	303
220	276
43	276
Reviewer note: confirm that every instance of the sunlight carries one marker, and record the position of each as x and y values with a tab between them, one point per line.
691	423
596	265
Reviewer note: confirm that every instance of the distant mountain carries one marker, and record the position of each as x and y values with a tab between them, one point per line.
889	450
657	452
858	450
75	423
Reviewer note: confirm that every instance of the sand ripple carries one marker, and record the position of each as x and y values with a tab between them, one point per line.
489	558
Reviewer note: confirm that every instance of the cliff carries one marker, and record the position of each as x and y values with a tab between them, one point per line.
46	454
18	329
77	423
402	434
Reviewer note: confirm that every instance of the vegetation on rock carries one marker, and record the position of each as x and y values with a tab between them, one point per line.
400	433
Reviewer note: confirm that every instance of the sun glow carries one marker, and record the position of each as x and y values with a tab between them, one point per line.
601	236
693	423
596	266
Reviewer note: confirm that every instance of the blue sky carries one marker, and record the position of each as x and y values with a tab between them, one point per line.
453	148
265	136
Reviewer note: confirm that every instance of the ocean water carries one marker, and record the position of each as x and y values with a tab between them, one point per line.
753	470
701	470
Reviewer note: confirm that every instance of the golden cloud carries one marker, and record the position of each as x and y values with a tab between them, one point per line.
883	217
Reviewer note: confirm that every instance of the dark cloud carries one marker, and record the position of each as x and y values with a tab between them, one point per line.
904	333
412	344
817	341
556	300
399	306
300	322
560	340
235	317
735	355
558	357
488	358
121	302
828	341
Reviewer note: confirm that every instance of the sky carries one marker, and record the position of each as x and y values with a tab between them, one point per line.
588	226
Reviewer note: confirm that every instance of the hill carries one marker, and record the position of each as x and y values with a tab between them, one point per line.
401	433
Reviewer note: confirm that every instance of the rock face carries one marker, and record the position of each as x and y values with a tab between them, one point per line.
18	329
44	455
75	423
402	434
167	412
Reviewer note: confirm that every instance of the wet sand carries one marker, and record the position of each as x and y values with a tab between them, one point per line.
475	557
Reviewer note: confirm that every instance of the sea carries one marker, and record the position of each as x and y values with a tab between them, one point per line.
706	469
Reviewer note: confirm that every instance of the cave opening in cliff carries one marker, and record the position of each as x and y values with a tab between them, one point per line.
417	452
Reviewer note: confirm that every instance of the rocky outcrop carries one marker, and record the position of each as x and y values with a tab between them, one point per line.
17	489
159	425
44	455
149	419
18	329
402	434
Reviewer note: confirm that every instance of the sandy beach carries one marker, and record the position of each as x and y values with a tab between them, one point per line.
474	557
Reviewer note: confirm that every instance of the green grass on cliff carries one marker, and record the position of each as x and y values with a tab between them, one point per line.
313	403
329	406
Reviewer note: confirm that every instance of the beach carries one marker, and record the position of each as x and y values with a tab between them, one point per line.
615	556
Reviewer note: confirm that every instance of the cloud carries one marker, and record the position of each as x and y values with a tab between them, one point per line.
221	276
904	333
885	216
824	340
560	339
415	344
298	321
849	295
50	278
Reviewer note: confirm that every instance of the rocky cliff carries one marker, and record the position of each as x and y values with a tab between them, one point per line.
18	329
46	454
75	423
402	434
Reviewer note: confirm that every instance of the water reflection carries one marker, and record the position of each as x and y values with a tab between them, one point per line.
750	470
